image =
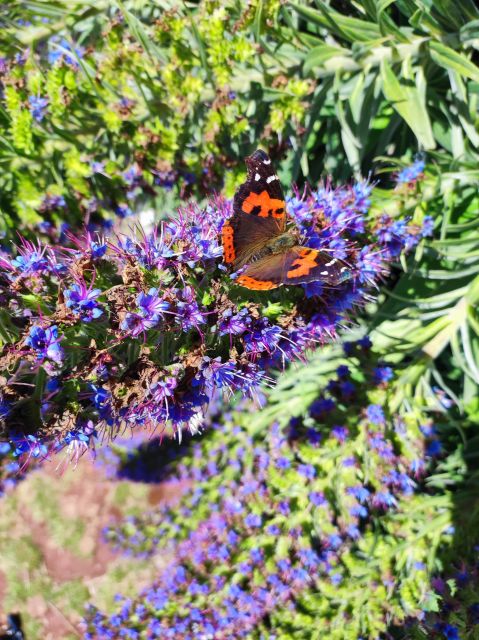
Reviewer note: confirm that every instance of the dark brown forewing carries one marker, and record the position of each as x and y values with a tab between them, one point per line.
259	212
261	195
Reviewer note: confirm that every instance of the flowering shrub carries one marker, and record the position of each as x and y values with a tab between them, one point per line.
145	330
293	529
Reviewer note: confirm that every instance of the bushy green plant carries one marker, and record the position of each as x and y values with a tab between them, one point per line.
104	106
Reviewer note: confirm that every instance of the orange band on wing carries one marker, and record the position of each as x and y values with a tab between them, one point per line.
227	237
303	265
257	285
260	204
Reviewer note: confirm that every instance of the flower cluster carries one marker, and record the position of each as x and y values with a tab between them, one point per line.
148	329
410	175
277	526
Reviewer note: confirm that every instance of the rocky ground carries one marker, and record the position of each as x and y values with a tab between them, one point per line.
52	557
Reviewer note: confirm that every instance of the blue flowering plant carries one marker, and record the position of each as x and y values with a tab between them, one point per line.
286	522
146	329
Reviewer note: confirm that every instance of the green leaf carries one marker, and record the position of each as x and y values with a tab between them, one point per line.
351	29
139	32
453	61
318	56
406	98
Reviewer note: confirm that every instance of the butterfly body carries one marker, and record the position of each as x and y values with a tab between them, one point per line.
256	241
279	244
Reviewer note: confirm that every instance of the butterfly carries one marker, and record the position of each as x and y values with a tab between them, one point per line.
255	237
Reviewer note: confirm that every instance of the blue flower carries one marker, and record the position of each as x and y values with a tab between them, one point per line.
382	374
451	632
433	448
410	175
61	50
37	107
46	343
4	448
123	211
83	302
375	414
150	305
253	520
30	259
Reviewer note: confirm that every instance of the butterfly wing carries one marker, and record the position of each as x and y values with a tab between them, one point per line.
259	212
297	265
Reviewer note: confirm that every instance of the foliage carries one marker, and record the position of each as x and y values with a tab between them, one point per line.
107	104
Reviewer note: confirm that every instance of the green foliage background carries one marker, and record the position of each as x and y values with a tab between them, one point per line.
192	88
341	88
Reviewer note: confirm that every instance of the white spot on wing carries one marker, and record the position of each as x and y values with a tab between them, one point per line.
328	264
343	269
257	177
271	178
268	161
324	273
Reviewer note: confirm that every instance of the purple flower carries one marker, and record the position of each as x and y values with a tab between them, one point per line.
317	498
136	324
410	175
382	374
37	107
283	463
30	259
375	414
151	306
188	314
46	343
263	337
369	265
384	499
234	323
340	433
253	520
83	301
307	470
